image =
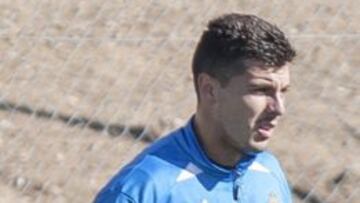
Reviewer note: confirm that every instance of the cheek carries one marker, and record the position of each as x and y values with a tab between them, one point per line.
255	106
232	110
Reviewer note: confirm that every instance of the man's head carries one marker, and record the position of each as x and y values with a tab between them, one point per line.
241	71
236	38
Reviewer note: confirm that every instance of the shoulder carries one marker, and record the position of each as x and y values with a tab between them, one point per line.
272	163
149	180
269	161
129	185
150	175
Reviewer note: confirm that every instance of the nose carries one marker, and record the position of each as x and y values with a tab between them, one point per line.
277	104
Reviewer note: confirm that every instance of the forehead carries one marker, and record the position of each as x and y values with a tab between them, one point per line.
272	74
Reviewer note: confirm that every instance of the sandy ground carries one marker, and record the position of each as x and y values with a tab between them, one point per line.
83	83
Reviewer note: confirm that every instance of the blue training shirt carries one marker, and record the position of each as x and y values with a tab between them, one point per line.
175	169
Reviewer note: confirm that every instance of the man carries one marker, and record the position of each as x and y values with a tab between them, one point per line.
241	73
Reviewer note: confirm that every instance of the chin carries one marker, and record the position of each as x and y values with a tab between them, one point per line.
255	146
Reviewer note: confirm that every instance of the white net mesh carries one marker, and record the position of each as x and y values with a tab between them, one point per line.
84	83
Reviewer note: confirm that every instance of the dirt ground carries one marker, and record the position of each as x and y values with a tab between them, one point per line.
85	85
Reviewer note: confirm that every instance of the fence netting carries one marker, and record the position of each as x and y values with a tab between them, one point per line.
86	85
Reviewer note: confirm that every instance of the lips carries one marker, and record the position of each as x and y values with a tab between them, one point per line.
264	130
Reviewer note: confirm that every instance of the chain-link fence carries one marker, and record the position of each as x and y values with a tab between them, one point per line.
84	85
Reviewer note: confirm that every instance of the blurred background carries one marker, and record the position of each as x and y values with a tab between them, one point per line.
86	85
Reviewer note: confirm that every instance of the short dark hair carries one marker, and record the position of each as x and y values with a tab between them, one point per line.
239	38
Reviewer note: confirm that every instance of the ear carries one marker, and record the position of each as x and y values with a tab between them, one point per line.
208	87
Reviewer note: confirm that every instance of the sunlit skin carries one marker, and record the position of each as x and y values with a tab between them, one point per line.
241	116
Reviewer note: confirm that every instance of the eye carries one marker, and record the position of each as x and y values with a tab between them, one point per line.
285	89
263	90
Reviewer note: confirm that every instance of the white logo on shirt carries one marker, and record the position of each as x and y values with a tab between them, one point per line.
273	198
256	166
190	171
204	201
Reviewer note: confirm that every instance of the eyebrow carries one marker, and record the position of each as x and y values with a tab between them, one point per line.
256	77
265	81
262	78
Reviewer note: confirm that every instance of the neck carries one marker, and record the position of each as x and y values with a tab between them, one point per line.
213	141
